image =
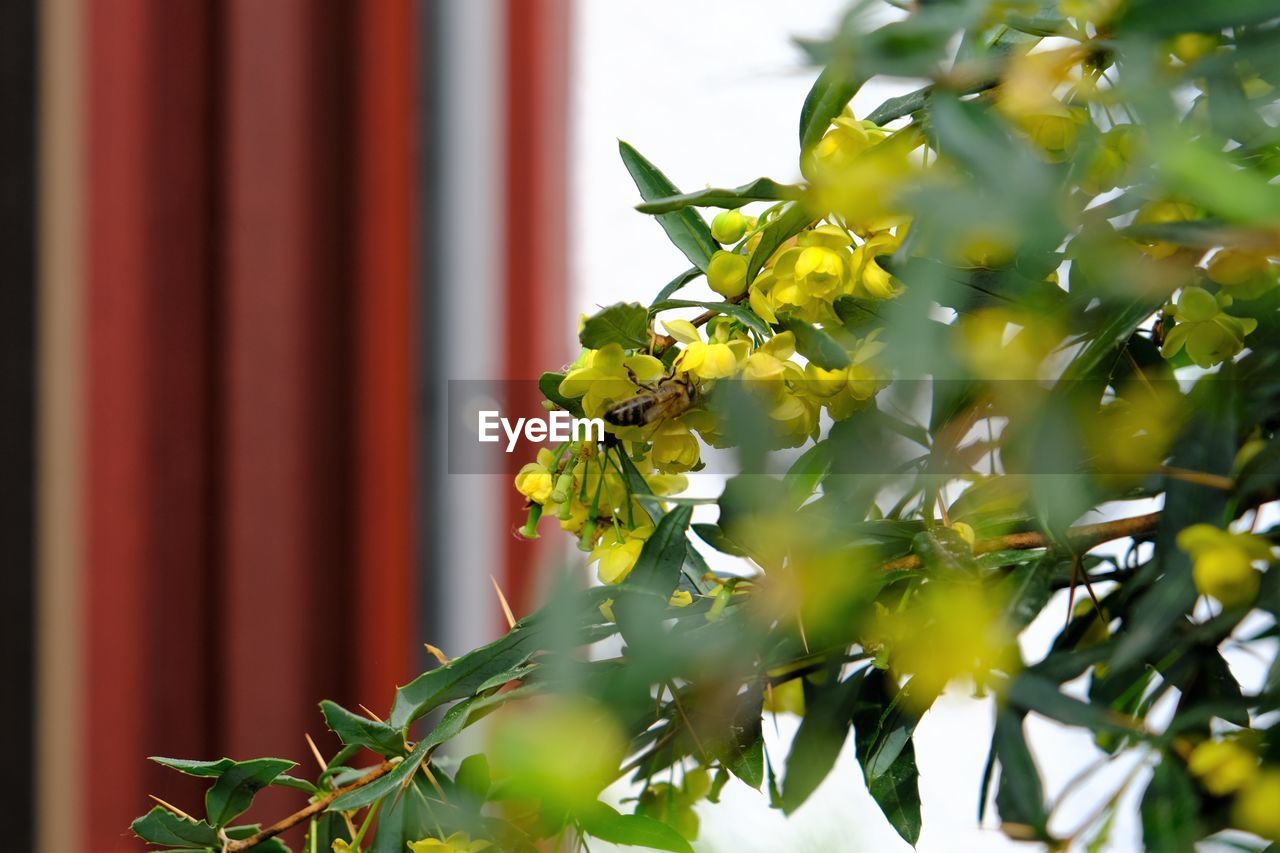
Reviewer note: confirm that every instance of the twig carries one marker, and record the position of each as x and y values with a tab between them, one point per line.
314	808
707	315
1082	538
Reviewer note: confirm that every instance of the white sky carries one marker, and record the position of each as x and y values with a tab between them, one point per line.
710	91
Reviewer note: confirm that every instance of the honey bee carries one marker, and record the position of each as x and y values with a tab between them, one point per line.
670	398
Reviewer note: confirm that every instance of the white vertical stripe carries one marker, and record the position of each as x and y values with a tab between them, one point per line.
468	288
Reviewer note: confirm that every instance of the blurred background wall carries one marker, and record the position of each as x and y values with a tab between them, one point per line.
245	246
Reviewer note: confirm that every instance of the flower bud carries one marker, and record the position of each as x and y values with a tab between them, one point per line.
728	226
564	485
727	274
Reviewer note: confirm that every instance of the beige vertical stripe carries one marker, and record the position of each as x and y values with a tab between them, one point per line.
59	498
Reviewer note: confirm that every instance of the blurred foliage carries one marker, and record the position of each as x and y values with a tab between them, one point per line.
1004	317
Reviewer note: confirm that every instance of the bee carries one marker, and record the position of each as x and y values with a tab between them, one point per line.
670	398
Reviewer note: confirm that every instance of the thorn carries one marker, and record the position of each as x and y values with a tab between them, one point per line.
315	750
171	807
437	654
431	777
502	599
370	713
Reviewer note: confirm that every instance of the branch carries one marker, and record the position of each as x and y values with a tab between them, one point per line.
315	808
1080	538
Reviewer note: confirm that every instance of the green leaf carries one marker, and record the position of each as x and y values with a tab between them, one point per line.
1171	810
463	675
761	189
380	737
203	769
657	570
827	98
405	818
855	312
473	776
161	826
883	738
741	313
807	473
607	824
685	227
815	344
1035	693
714	536
789	223
828	711
1027	590
674	285
1164	17
235	789
549	385
1019	794
625	323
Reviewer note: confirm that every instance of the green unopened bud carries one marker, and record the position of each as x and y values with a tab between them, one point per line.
530	529
727	274
729	226
564	485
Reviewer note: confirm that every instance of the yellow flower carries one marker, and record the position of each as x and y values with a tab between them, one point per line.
459	842
1245	274
715	359
603	378
675	449
727	274
1255	809
1209	335
819	270
535	480
1222	766
681	598
872	279
1222	564
617	553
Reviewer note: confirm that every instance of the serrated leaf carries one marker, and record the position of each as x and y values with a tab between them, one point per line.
235	789
741	313
203	769
684	227
380	737
624	323
815	344
761	189
463	675
607	824
161	826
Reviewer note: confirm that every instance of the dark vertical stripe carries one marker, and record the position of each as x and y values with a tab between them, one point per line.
18	41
